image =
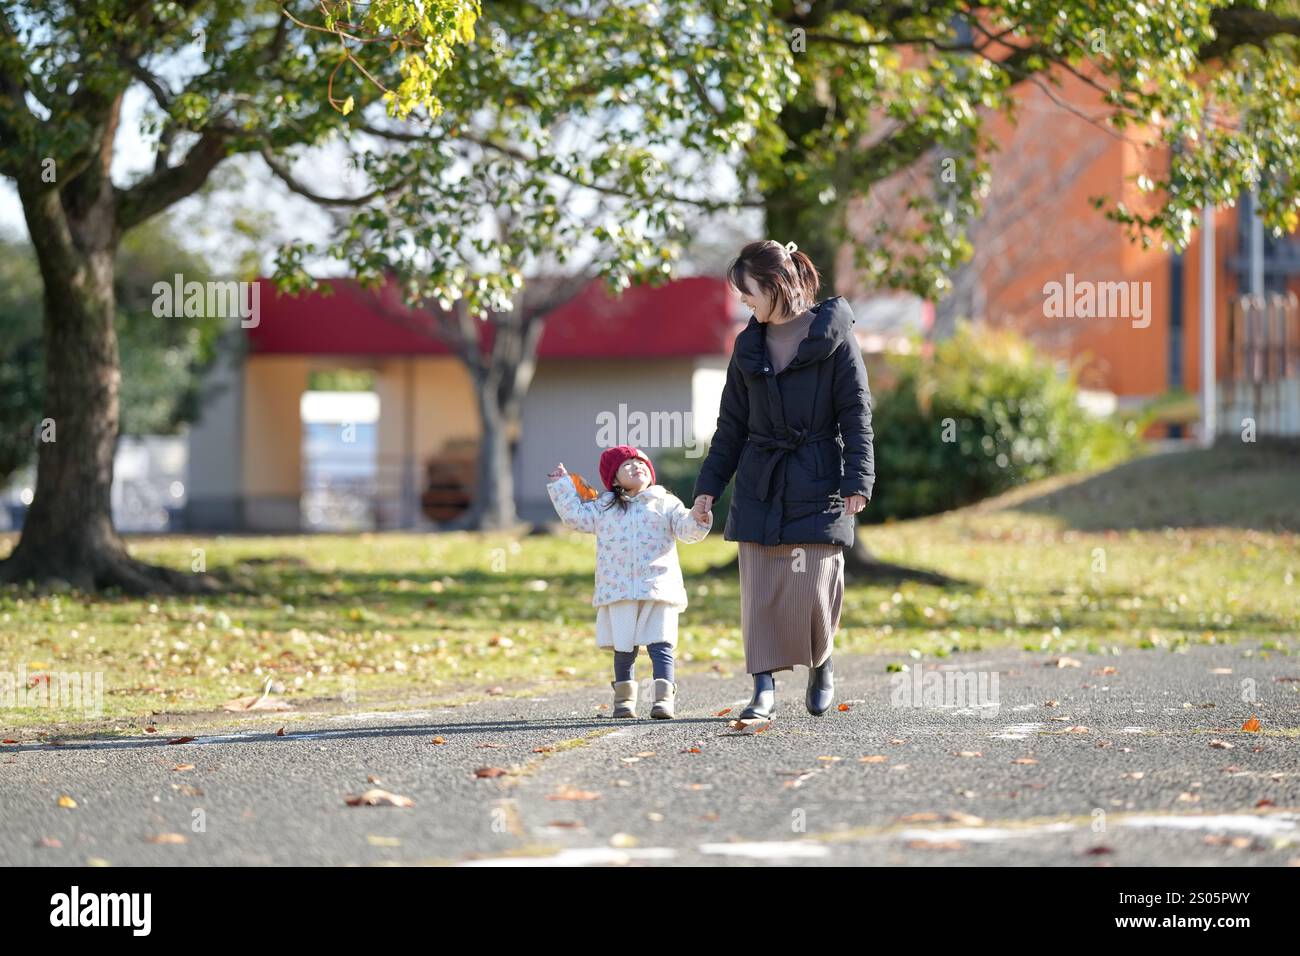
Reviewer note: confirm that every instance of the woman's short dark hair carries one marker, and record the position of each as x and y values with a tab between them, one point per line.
790	278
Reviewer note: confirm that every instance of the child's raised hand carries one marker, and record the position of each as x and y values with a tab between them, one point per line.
559	472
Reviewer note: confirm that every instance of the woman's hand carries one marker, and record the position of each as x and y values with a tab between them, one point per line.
703	505
559	472
854	503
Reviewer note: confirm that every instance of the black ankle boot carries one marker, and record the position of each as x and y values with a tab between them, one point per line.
763	703
821	688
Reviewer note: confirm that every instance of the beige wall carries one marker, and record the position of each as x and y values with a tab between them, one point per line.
272	444
560	415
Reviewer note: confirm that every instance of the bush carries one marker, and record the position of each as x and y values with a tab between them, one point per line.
677	473
982	413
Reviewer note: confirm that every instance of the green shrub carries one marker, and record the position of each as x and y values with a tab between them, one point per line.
982	413
677	473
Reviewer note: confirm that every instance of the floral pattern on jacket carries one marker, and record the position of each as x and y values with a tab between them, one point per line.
636	550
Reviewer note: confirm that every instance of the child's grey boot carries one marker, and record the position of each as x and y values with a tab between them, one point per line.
665	698
624	697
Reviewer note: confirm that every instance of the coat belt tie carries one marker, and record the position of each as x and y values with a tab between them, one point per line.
778	448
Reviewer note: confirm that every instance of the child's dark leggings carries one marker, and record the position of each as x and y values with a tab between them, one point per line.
661	659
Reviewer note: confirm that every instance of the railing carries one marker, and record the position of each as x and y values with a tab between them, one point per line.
1259	376
359	493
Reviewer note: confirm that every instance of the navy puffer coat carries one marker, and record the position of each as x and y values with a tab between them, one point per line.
797	442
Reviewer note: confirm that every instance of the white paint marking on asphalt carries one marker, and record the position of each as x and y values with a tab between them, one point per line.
767	851
385	715
1134	730
982	834
1246	823
578	856
1017	731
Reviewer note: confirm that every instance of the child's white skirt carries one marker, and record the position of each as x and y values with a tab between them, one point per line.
625	625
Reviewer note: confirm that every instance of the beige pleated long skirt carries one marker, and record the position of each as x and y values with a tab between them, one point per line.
790	601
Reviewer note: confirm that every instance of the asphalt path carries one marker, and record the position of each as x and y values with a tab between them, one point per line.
1131	760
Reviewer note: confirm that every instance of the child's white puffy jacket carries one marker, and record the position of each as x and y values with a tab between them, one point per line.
636	550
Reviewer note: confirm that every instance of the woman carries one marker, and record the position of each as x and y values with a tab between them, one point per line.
794	428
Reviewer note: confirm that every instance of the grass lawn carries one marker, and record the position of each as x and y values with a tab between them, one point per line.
1163	552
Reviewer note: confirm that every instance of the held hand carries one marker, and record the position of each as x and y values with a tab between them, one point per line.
703	505
854	503
559	472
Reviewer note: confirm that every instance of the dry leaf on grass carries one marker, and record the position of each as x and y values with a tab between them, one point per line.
256	702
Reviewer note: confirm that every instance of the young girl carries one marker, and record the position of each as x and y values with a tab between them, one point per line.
639	590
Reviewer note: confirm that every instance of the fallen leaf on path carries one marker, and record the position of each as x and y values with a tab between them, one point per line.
67	802
382	840
1221	745
1063	662
1025	760
1237	842
968	753
380	798
751	725
723	713
873	758
181	767
280	732
167	838
438	740
180	740
52	843
844	707
1251	726
489	772
572	793
935	845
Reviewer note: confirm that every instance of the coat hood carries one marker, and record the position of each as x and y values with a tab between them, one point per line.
832	324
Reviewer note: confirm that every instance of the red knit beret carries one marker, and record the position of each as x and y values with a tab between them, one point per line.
611	460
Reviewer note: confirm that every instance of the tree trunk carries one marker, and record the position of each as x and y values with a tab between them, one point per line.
493	508
68	535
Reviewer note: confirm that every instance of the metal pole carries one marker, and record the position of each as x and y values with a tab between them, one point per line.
1209	401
